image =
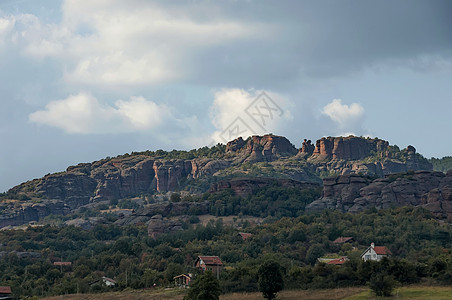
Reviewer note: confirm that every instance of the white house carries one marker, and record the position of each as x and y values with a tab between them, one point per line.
108	281
375	253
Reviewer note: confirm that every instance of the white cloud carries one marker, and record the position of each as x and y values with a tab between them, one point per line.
109	43
6	27
238	112
84	114
349	118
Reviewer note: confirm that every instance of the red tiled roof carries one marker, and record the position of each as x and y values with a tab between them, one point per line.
211	260
245	235
5	290
382	250
338	261
341	240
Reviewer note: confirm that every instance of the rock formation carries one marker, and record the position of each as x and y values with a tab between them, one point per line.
348	148
29	212
271	156
164	209
307	147
158	225
355	155
261	148
353	193
245	186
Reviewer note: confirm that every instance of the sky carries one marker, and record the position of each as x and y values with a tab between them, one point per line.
81	80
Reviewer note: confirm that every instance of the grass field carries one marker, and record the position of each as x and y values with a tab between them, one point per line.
359	293
177	294
412	292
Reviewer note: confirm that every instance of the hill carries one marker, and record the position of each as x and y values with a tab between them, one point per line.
151	173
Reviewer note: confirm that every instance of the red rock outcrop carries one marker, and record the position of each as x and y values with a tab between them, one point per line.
307	147
261	148
132	175
351	193
348	148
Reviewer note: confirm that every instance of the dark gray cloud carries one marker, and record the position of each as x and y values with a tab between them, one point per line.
391	57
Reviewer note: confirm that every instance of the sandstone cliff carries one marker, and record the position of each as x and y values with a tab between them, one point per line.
268	156
355	155
353	193
266	148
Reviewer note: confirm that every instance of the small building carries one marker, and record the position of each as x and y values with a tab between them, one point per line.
375	253
245	235
6	293
343	240
108	281
212	263
103	281
182	280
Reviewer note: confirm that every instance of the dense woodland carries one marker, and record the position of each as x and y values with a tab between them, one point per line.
441	164
421	248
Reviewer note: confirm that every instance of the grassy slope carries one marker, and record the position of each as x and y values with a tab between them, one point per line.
177	294
413	293
359	293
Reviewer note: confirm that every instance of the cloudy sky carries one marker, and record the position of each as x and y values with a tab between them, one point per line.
81	80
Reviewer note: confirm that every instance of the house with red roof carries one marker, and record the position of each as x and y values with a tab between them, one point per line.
212	263
182	280
375	253
5	293
245	235
343	240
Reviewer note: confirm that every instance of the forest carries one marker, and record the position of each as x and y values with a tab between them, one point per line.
421	248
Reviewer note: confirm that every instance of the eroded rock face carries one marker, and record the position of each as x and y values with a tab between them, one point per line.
348	148
132	175
261	148
245	186
30	212
158	225
307	147
351	193
164	209
347	155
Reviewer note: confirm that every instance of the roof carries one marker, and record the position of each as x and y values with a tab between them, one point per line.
182	275
382	250
245	235
108	279
379	250
211	260
338	261
5	290
62	263
341	240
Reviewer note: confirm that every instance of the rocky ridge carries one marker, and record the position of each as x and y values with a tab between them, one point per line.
354	193
140	173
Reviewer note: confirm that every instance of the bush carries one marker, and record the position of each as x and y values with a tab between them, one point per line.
270	279
382	284
204	287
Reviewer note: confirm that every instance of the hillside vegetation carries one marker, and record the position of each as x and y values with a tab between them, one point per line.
421	248
442	164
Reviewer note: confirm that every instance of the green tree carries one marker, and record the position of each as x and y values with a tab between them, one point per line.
204	287
270	279
382	284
